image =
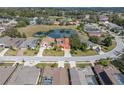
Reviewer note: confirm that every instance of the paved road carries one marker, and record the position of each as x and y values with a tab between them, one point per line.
110	54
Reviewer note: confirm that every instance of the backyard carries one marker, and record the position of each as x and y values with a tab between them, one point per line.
31	29
51	52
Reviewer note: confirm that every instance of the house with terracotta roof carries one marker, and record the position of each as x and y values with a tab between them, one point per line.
49	42
55	76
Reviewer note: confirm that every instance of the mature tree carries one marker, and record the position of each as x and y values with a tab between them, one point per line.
94	39
24	35
21	24
108	41
104	62
83	46
75	42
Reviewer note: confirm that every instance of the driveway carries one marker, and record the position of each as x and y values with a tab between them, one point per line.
4	51
40	53
21	52
67	53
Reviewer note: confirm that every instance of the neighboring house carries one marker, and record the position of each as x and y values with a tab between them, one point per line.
25	75
55	76
92	30
33	21
82	76
113	26
103	18
92	45
103	77
109	75
8	42
5	72
30	42
49	42
115	75
8	22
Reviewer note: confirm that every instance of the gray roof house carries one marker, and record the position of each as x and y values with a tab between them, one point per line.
82	76
7	41
25	76
29	42
5	72
74	76
91	28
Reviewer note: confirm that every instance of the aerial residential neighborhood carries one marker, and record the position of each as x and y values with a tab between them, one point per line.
62	46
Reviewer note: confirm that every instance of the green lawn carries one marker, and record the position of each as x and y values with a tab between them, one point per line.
1	49
85	53
82	65
6	64
42	65
30	52
106	49
11	52
31	29
50	52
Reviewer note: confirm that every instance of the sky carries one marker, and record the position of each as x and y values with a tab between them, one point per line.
61	3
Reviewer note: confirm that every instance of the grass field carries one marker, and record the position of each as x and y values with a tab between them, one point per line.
6	64
31	29
11	52
50	52
106	49
30	52
82	65
1	49
85	53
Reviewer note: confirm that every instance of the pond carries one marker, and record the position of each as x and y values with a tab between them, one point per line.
39	34
60	33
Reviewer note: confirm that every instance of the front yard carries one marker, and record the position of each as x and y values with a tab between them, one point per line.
82	65
84	53
1	49
51	52
30	52
11	52
6	64
107	49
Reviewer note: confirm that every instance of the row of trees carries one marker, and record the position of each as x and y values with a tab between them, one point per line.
32	12
14	33
116	19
